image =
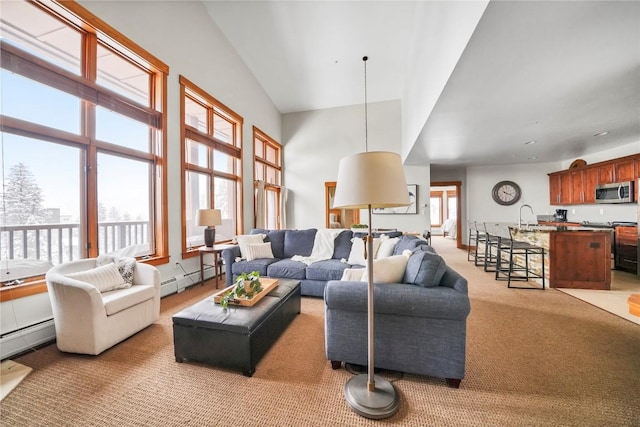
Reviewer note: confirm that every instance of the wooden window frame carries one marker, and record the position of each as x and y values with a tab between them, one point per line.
260	158
232	149
451	194
94	31
438	195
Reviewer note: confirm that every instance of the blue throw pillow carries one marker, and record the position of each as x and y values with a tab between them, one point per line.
425	269
299	242
342	245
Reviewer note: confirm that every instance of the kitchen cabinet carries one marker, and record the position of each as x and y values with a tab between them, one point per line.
636	184
617	171
584	182
575	257
337	218
580	259
577	185
560	189
627	248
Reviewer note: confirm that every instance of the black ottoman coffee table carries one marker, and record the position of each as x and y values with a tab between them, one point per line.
238	337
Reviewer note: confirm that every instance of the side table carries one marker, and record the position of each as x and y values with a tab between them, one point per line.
216	250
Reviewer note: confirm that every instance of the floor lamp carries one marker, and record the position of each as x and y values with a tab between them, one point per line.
366	181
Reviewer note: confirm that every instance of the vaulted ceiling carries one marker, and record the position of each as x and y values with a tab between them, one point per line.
556	73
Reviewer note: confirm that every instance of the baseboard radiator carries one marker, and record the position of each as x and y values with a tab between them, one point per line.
183	281
25	339
21	340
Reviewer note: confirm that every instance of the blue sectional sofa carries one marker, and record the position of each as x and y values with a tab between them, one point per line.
420	324
287	243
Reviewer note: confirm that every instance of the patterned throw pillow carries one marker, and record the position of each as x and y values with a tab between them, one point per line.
126	267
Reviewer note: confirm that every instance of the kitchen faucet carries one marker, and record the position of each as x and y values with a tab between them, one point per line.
520	218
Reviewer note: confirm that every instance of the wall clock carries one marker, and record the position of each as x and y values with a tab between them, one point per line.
506	193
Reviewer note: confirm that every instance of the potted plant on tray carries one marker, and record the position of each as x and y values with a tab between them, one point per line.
247	285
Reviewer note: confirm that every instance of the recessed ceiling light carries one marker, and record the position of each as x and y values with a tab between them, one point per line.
601	133
530	142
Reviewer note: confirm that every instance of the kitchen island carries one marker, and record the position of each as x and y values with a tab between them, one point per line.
576	257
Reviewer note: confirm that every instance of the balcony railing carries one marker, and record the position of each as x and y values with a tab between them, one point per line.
58	243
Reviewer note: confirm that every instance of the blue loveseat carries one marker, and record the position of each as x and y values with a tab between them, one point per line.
287	243
420	324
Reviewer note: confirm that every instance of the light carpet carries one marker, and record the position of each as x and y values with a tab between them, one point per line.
11	374
534	358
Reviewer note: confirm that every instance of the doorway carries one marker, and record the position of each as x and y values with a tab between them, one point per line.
446	210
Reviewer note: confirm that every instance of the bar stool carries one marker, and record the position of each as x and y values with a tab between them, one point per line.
481	240
472	240
497	238
516	251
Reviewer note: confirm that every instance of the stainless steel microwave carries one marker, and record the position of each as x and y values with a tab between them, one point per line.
621	192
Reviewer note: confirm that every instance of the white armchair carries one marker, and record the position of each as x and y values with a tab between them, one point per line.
88	321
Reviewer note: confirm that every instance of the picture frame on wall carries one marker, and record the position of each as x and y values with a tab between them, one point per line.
411	209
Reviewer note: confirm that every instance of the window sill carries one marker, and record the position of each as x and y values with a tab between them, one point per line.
39	285
8	293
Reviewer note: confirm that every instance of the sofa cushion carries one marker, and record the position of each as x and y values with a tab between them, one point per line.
298	242
121	299
259	250
105	278
259	265
424	269
276	237
342	245
330	269
287	269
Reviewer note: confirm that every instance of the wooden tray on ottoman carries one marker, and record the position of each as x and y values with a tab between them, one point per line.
267	286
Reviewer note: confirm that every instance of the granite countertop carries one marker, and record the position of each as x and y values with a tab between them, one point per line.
550	228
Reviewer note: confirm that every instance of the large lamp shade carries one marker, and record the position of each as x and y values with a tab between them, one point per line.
209	218
372	179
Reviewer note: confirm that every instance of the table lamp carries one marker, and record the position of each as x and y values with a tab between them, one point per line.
209	218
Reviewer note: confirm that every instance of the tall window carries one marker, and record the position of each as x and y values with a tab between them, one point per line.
268	180
83	141
436	205
211	135
452	204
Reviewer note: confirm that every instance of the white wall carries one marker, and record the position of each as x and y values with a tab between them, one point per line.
315	141
182	35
